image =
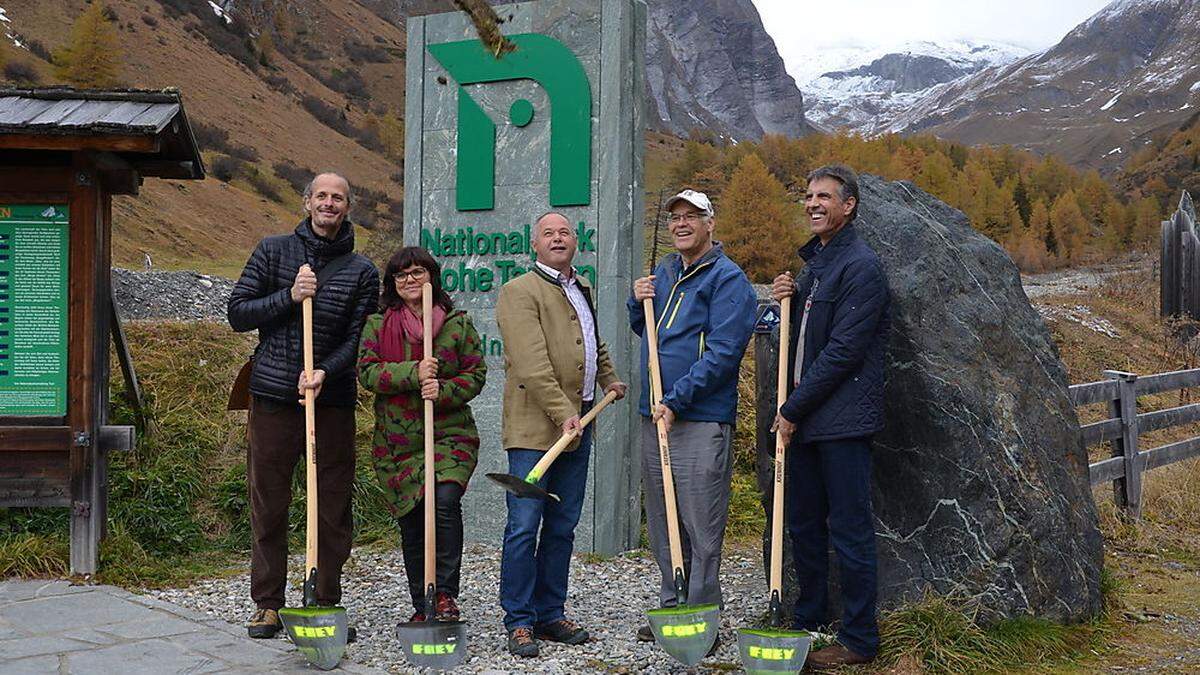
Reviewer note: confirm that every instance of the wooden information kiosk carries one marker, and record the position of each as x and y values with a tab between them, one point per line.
63	154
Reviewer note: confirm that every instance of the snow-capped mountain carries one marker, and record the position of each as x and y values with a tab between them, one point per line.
1126	74
864	90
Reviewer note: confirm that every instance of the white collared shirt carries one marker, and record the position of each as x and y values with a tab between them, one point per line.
587	324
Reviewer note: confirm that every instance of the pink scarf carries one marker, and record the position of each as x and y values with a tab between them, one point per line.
400	325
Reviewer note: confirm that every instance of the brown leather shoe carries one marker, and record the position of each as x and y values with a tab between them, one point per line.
833	657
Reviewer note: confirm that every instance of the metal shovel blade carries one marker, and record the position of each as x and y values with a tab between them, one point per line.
773	650
520	487
318	632
686	632
440	645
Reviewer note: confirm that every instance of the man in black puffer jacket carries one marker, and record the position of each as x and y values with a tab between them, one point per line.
282	271
834	406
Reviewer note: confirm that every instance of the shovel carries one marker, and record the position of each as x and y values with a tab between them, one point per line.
773	649
684	631
439	645
318	632
527	487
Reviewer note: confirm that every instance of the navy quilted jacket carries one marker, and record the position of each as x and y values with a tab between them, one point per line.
262	299
840	394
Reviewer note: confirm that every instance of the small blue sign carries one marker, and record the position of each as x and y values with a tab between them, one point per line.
768	319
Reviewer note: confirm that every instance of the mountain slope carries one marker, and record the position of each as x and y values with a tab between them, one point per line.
862	91
1126	74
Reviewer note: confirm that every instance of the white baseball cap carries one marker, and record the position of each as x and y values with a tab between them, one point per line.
696	199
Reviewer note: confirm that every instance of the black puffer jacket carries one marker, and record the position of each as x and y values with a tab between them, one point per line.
262	299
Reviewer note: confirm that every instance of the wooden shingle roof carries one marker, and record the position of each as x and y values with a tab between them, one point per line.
148	129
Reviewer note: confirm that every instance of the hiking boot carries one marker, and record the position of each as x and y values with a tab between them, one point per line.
833	657
521	643
446	608
644	634
565	631
265	624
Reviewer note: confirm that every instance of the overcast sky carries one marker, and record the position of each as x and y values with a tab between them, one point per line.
801	28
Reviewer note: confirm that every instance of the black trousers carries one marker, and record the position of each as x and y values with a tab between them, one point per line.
276	433
449	541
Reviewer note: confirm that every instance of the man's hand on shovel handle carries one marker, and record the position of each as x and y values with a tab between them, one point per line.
784	428
318	379
572	426
783	286
620	387
667	415
305	285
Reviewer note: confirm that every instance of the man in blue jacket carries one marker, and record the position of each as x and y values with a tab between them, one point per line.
705	309
835	405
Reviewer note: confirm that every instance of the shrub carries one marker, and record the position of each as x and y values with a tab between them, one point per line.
296	176
361	53
224	168
21	72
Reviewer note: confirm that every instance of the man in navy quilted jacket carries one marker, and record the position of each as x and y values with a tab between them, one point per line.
281	273
834	406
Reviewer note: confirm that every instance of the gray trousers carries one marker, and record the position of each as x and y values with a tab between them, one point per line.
702	465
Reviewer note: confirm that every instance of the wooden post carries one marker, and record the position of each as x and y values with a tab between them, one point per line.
1127	491
1169	269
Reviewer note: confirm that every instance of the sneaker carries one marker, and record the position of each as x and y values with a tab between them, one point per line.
521	643
417	617
564	630
265	624
644	634
447	609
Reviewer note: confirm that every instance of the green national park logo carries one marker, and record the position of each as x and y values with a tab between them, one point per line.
556	69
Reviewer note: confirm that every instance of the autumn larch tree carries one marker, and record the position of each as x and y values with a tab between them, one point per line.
757	222
91	59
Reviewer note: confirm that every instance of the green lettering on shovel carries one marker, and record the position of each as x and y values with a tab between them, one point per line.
771	654
683	630
433	649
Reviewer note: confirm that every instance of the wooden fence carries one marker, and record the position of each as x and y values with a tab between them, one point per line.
1127	463
1179	285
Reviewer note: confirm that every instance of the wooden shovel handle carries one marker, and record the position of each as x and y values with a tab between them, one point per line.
430	477
664	448
785	324
310	443
535	474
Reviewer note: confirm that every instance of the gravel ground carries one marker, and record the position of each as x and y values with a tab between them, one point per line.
607	597
182	296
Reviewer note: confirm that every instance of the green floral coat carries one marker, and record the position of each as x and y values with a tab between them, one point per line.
399	442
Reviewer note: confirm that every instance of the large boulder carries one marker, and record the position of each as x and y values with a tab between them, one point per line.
981	477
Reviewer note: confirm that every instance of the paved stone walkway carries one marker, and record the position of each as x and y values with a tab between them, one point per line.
54	627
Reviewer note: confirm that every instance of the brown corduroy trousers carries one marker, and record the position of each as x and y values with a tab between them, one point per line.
276	433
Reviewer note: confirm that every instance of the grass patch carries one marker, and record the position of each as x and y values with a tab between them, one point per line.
945	636
178	504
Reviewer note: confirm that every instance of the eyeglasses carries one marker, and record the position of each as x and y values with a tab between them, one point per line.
416	275
693	217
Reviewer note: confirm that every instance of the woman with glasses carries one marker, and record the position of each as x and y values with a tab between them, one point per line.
392	365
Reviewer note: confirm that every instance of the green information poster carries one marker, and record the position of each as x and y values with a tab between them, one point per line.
33	309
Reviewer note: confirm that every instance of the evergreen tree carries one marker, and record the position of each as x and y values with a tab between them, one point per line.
1021	199
92	56
757	222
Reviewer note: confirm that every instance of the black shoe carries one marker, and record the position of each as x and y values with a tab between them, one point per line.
521	643
351	635
644	634
564	631
265	624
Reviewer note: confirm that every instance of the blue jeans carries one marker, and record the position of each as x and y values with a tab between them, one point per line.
829	499
533	570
